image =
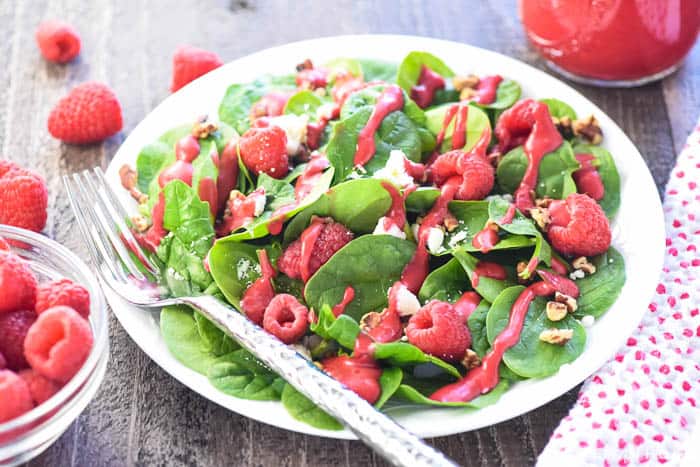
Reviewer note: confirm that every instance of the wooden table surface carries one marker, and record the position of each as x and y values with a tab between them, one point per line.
143	416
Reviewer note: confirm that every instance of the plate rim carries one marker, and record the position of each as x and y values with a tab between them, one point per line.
452	424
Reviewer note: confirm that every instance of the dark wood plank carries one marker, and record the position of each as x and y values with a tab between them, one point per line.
142	416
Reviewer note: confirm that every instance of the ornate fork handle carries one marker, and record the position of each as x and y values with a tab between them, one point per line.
389	439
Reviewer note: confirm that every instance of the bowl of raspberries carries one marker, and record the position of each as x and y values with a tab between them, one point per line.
53	342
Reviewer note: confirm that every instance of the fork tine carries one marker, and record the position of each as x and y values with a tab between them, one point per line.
107	226
103	245
120	216
82	211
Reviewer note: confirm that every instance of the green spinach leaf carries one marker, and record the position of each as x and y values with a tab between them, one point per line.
304	410
477	123
531	357
241	375
608	174
487	287
403	354
599	291
342	329
554	175
559	109
446	283
303	103
378	70
477	327
411	394
410	68
234	266
507	93
212	337
389	382
179	330
369	264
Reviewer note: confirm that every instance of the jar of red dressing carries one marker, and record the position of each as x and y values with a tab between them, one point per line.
612	42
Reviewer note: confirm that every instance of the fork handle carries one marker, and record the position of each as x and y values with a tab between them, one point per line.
386	437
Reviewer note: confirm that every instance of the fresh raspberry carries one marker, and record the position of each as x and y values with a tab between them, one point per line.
437	329
286	318
14	327
189	63
40	387
88	114
258	296
331	238
23	198
477	174
3	245
3	362
62	292
264	150
361	375
58	343
58	41
17	284
579	226
288	262
15	398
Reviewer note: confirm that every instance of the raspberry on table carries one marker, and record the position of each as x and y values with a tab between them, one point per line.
40	387
14	326
23	198
17	284
189	63
264	150
58	343
579	226
58	41
63	292
286	318
477	174
15	398
88	114
332	238
437	329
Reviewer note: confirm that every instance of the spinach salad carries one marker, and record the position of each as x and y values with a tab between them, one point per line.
426	238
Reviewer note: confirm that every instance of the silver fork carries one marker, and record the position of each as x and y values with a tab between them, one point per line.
103	222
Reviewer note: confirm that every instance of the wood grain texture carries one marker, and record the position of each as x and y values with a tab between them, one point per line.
142	416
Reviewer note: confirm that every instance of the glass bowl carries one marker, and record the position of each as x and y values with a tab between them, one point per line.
25	437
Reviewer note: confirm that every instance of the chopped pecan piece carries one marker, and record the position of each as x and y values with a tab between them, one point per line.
520	269
305	65
556	336
543	202
541	217
465	82
203	128
450	222
564	125
569	302
588	129
128	177
467	93
581	263
471	359
556	311
370	321
140	223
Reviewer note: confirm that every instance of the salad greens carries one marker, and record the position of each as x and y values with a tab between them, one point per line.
344	240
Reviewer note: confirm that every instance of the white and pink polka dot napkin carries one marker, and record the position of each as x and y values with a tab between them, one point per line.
641	408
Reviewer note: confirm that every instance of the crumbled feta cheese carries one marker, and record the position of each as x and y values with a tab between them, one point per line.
395	169
577	274
406	303
435	238
260	201
457	238
587	321
393	229
294	127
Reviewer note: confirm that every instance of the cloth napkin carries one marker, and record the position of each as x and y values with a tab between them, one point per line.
641	407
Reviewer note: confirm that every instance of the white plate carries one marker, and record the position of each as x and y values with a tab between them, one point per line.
638	231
